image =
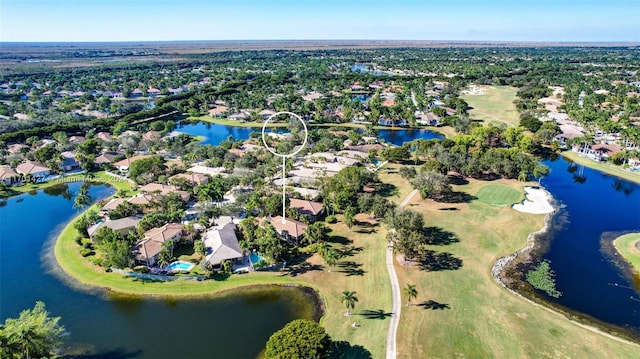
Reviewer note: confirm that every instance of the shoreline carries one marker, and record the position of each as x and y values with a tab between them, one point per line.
605	168
503	263
627	246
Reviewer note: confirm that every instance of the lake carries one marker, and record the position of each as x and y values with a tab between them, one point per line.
216	133
593	203
108	326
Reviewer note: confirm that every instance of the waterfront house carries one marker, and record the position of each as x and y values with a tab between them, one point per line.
123	166
218	111
222	244
312	210
122	226
289	229
33	169
103	136
164	189
104	158
69	162
8	175
146	251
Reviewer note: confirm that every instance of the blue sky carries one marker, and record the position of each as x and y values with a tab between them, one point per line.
166	20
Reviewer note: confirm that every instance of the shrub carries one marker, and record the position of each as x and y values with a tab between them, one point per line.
331	219
541	277
87	252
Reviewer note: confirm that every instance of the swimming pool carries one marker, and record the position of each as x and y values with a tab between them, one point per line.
255	258
180	265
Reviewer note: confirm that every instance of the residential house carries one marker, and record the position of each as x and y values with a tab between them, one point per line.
219	111
104	136
69	162
289	229
8	175
147	250
312	210
112	205
33	169
121	225
123	166
164	189
222	244
265	114
137	93
153	92
104	158
193	179
151	135
77	139
240	116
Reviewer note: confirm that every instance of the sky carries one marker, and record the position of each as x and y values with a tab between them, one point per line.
460	20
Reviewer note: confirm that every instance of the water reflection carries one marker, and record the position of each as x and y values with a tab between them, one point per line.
61	189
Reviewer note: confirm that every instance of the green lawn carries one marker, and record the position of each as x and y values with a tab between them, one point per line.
463	313
499	195
628	247
494	106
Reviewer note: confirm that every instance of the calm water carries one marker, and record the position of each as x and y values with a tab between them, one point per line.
584	275
216	133
235	326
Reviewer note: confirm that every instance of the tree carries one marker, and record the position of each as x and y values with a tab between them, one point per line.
299	339
34	334
315	233
83	198
410	292
431	184
198	247
331	257
166	254
147	170
349	299
349	216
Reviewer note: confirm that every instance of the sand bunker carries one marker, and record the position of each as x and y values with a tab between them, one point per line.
536	202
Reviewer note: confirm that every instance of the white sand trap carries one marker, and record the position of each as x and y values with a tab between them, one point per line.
536	202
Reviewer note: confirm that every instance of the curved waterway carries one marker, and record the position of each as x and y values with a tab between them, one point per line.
106	326
592	204
214	133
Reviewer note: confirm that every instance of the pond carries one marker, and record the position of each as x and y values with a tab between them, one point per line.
593	203
108	326
216	133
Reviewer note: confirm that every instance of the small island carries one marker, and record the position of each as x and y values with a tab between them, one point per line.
628	246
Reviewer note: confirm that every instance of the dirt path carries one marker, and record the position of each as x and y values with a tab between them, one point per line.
395	294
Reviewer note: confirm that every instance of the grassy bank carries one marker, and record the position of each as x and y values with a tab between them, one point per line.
603	167
359	270
460	312
628	246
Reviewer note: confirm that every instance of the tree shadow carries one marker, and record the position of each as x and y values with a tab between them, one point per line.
365	230
220	275
302	268
375	314
440	237
387	190
112	354
351	268
349	251
345	350
339	240
457	180
432	261
433	305
298	259
448	209
455	197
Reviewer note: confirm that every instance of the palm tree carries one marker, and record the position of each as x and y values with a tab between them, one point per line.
410	292
322	248
83	198
349	299
331	258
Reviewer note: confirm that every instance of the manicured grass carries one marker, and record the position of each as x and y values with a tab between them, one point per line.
226	122
389	174
463	313
628	247
361	270
494	106
499	195
604	167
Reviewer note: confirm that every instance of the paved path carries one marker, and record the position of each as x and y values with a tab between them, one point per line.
395	294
